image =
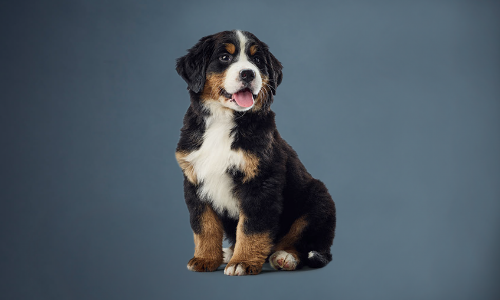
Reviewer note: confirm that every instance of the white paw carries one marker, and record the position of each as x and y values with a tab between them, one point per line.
235	270
229	271
227	253
242	268
240	271
282	260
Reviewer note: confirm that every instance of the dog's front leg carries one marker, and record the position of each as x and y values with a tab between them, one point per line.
250	251
207	243
208	233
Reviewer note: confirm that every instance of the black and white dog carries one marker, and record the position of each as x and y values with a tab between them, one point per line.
241	179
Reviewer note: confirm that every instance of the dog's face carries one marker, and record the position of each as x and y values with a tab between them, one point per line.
233	69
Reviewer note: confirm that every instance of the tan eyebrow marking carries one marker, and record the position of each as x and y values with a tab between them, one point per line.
253	49
230	48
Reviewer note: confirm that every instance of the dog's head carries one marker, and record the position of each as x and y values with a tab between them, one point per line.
232	68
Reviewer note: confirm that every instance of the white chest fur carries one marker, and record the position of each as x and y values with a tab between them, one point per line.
212	161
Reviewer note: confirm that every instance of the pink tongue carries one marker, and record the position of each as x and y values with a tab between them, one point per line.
243	98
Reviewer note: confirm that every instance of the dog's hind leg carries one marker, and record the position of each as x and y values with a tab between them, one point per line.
285	256
318	236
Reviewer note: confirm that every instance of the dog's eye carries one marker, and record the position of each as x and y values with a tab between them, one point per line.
225	58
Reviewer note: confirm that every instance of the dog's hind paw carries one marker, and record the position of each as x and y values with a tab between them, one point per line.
282	260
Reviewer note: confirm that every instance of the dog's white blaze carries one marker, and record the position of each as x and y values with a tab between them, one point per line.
214	157
232	82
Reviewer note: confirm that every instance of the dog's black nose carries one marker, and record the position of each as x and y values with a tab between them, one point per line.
247	75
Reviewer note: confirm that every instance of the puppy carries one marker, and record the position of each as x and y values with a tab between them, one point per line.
241	179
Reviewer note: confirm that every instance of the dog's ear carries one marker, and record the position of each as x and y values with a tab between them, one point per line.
275	74
192	66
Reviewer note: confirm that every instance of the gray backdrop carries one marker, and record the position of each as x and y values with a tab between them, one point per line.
395	105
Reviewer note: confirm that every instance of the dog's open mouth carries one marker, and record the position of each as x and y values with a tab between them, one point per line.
243	98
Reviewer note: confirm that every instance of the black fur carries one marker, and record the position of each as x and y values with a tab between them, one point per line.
192	67
283	190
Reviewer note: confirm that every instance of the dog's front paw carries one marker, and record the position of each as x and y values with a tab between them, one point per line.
199	264
242	268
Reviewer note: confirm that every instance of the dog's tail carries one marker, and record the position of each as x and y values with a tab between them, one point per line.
318	260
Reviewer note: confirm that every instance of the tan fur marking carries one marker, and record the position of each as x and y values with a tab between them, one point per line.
207	244
213	86
253	49
212	91
293	235
187	167
251	250
263	94
230	48
251	167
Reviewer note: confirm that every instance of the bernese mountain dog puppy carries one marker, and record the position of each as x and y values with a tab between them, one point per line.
241	179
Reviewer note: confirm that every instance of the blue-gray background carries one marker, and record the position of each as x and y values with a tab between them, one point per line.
395	105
